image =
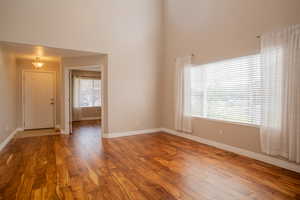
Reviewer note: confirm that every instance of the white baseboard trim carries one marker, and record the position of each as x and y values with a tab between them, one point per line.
129	133
257	156
64	132
9	138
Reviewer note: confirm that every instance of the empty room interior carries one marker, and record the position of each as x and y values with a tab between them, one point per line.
150	99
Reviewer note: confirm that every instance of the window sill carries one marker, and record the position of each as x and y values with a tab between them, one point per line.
90	107
227	122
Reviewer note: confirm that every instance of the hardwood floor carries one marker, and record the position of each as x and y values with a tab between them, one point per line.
153	166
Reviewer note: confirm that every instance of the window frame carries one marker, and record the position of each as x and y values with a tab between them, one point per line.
226	121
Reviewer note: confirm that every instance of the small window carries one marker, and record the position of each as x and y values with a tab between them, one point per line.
229	90
89	93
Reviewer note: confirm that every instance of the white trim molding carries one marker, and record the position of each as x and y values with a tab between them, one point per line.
64	132
130	133
19	129
257	156
9	138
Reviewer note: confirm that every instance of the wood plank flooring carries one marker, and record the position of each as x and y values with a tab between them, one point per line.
153	166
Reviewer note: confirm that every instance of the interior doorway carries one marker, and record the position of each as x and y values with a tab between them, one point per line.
85	94
41	106
84	89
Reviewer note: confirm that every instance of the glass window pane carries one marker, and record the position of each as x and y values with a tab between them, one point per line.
89	93
228	90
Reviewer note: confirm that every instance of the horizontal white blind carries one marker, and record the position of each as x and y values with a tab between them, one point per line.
89	92
229	90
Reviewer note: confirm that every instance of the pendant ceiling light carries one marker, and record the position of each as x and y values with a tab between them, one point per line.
37	63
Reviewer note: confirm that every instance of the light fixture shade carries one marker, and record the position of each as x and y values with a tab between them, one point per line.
37	63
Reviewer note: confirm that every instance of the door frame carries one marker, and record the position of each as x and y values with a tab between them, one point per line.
67	98
54	73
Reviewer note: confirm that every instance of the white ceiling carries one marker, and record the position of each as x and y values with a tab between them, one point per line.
25	51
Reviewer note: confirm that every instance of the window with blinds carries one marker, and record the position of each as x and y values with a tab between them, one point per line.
89	92
229	90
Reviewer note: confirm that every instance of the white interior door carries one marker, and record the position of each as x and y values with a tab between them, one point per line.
39	99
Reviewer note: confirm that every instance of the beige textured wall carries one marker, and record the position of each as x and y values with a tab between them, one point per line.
26	64
8	99
214	30
129	31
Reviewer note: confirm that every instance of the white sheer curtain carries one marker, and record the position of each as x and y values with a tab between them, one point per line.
280	128
183	116
76	92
